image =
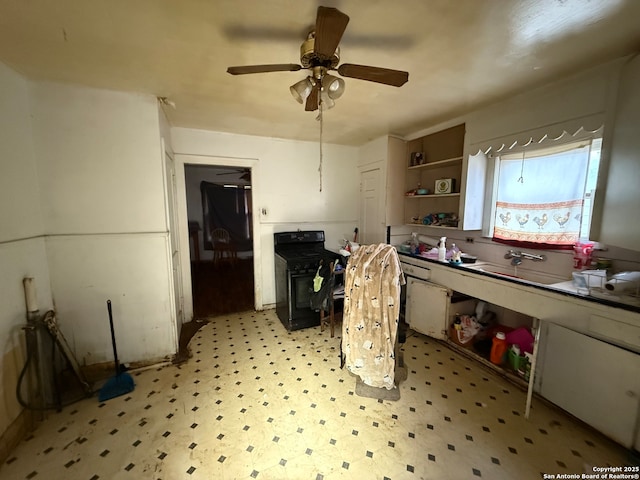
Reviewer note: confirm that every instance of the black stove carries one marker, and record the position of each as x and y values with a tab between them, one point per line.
297	258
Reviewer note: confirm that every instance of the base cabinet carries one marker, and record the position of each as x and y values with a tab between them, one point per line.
592	375
427	307
593	380
431	308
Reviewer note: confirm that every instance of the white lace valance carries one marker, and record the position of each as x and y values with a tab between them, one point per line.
575	129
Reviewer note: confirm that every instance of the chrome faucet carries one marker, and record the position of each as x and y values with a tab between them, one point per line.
517	257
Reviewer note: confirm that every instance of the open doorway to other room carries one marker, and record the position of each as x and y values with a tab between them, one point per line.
219	209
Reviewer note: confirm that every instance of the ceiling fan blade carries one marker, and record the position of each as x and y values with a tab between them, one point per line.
312	99
244	32
396	78
281	67
245	174
330	26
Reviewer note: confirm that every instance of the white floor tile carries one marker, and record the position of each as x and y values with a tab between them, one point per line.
255	401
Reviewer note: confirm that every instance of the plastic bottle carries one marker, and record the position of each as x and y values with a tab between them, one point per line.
514	357
442	249
582	252
453	253
498	348
415	244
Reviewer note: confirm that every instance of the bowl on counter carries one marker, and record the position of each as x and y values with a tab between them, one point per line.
404	248
466	258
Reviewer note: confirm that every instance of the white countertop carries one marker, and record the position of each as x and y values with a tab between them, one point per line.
627	302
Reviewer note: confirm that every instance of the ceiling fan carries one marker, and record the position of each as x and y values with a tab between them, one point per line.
320	53
246	173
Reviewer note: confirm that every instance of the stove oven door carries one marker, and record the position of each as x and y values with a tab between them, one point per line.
301	288
293	297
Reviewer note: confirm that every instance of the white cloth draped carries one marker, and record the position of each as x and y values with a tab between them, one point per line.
371	313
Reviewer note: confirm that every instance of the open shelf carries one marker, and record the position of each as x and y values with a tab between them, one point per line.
431	226
434	195
440	163
441	172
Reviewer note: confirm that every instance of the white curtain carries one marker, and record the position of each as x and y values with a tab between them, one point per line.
540	197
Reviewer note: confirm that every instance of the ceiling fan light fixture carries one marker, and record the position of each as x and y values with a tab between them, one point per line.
320	53
326	102
301	90
333	85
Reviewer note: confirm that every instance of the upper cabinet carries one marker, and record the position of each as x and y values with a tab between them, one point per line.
382	166
438	184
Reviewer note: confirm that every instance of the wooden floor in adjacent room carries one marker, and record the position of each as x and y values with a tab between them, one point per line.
222	287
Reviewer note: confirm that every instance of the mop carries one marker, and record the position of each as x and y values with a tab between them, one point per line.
122	382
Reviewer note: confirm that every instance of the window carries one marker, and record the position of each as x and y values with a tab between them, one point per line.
543	195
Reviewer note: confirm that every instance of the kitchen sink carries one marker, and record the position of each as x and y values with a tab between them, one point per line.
515	272
553	281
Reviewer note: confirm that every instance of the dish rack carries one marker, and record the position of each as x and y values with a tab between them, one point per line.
594	283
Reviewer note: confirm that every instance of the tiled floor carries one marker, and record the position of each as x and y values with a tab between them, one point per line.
257	402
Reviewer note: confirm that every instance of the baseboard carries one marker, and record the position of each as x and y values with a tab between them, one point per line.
17	431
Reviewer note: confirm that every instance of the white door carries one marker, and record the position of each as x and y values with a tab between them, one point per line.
372	227
427	308
174	240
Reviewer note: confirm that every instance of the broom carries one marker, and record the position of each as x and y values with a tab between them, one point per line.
122	382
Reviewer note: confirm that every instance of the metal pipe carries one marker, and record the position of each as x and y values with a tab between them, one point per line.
534	363
516	254
34	393
535	258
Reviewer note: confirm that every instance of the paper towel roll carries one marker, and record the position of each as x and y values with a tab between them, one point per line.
30	294
624	282
428	240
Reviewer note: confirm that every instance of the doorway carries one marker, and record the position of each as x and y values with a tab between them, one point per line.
219	212
174	238
371	213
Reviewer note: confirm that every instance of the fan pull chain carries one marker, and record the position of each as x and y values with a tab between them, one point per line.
320	106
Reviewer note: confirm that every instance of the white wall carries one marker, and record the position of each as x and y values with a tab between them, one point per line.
22	248
100	169
583	96
604	95
98	159
620	225
285	185
588	98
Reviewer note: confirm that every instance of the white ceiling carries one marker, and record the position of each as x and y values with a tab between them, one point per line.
459	54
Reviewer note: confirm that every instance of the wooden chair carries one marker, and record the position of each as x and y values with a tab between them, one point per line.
331	297
223	249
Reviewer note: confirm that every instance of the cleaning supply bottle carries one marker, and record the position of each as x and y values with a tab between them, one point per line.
442	249
498	348
514	357
415	244
454	254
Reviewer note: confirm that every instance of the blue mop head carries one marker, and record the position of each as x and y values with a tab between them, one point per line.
116	386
